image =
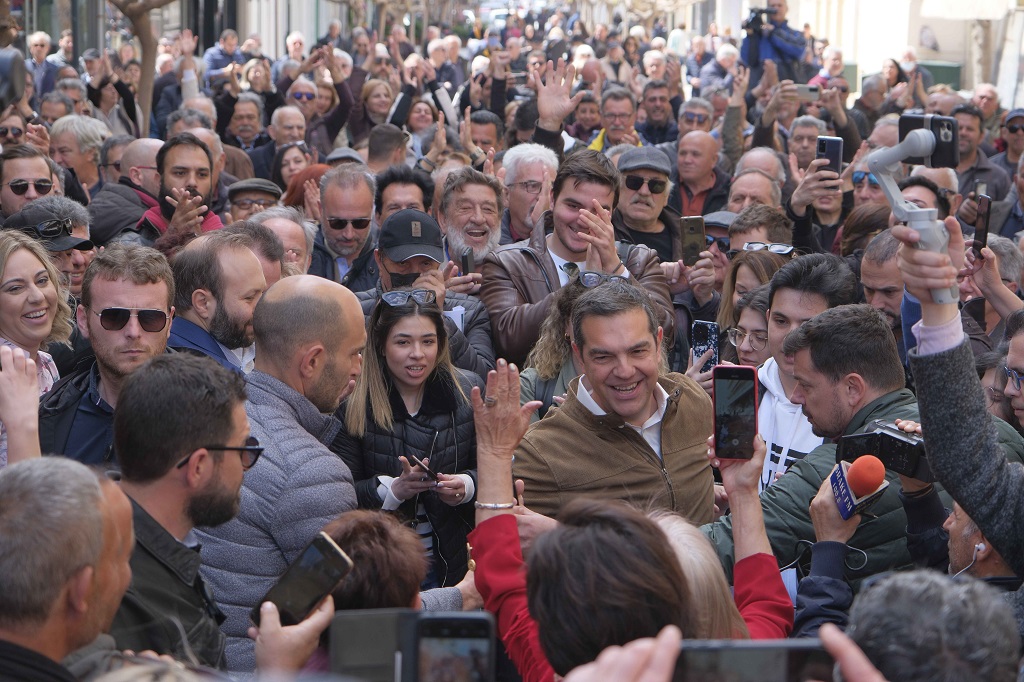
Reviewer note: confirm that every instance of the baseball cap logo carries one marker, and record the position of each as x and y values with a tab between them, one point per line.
417	230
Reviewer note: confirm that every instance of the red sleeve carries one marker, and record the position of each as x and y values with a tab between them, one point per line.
762	598
501	580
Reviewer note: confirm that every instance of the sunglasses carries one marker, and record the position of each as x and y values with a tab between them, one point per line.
13	132
858	178
1014	129
19	187
692	117
591	279
250	452
635	182
115	319
50	229
341	223
308	96
400	298
116	165
723	242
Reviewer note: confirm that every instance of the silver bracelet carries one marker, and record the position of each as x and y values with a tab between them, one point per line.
494	505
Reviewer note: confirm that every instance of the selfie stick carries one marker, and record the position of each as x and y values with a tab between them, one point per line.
934	237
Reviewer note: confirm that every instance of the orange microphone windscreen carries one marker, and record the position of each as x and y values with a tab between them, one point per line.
865	475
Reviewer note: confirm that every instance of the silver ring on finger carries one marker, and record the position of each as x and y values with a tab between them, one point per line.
490	401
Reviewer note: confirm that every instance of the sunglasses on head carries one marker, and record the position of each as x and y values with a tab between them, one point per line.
693	116
1014	128
115	319
308	96
19	187
723	242
400	298
635	182
341	223
858	178
50	229
13	131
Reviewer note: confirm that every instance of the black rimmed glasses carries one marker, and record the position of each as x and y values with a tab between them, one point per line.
400	298
758	340
250	452
115	319
529	186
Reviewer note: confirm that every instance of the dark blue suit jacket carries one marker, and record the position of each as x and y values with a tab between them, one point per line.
190	337
48	82
263	159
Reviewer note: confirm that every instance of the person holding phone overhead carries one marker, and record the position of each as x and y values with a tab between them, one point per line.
409	437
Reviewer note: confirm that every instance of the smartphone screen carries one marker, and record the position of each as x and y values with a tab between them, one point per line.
312	576
693	239
981	224
753	661
455	648
705	338
735	398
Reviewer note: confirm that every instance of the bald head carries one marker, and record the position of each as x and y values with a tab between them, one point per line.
304	310
591	71
698	152
138	164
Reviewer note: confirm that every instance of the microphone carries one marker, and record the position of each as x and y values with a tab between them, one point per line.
858	485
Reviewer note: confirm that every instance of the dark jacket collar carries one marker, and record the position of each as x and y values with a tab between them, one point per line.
879	407
439	397
180	560
189	335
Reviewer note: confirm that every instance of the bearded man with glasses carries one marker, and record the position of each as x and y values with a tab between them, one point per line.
125	312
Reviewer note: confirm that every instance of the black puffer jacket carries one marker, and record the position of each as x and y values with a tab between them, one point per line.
450	417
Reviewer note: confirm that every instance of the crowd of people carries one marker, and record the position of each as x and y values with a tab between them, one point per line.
436	301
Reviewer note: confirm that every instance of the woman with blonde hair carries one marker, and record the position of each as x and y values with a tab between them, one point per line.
371	109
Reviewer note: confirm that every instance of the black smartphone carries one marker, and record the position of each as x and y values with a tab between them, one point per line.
367	644
740	660
455	647
417	462
831	148
466	265
947	139
735	399
312	576
981	223
705	338
692	228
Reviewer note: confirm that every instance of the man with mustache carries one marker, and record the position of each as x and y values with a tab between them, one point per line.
245	127
618	121
185	165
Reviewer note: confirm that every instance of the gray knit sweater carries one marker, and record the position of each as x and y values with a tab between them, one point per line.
965	456
296	487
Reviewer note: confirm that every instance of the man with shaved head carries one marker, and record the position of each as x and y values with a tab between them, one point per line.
311	335
703	188
116	209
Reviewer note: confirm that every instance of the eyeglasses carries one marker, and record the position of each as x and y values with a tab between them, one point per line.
529	186
694	117
12	131
400	298
858	178
591	279
617	117
757	341
116	165
341	223
1015	128
299	144
246	204
19	187
50	229
308	96
1012	375
723	242
115	319
635	182
774	247
250	452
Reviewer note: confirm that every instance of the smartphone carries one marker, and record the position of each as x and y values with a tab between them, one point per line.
312	576
739	660
417	462
493	42
808	93
705	338
947	139
467	265
735	399
981	223
455	647
980	188
831	148
693	239
367	644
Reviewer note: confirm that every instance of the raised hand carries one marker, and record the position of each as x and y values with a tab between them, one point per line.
188	212
816	182
554	85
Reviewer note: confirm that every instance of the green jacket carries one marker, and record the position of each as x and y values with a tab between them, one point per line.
881	534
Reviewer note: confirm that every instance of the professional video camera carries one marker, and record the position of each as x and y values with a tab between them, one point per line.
899	451
755	22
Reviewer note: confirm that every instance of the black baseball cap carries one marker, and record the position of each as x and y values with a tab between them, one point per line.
410	233
52	231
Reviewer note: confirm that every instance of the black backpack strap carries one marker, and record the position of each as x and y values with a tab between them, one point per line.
545	390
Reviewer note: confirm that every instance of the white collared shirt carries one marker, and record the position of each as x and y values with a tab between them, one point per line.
650	431
563	276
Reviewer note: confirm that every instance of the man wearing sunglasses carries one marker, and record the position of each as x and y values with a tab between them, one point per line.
642	215
183	444
25	175
1013	134
125	313
343	248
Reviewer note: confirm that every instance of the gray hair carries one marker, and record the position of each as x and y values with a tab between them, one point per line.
64	209
275	118
780	172
51	527
59	98
348	176
1011	260
948	175
807	122
192	118
111	143
882	248
698	103
776	189
612	298
875	82
726	50
923	625
290	214
619	95
525	154
40	35
88	132
252	98
72	84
